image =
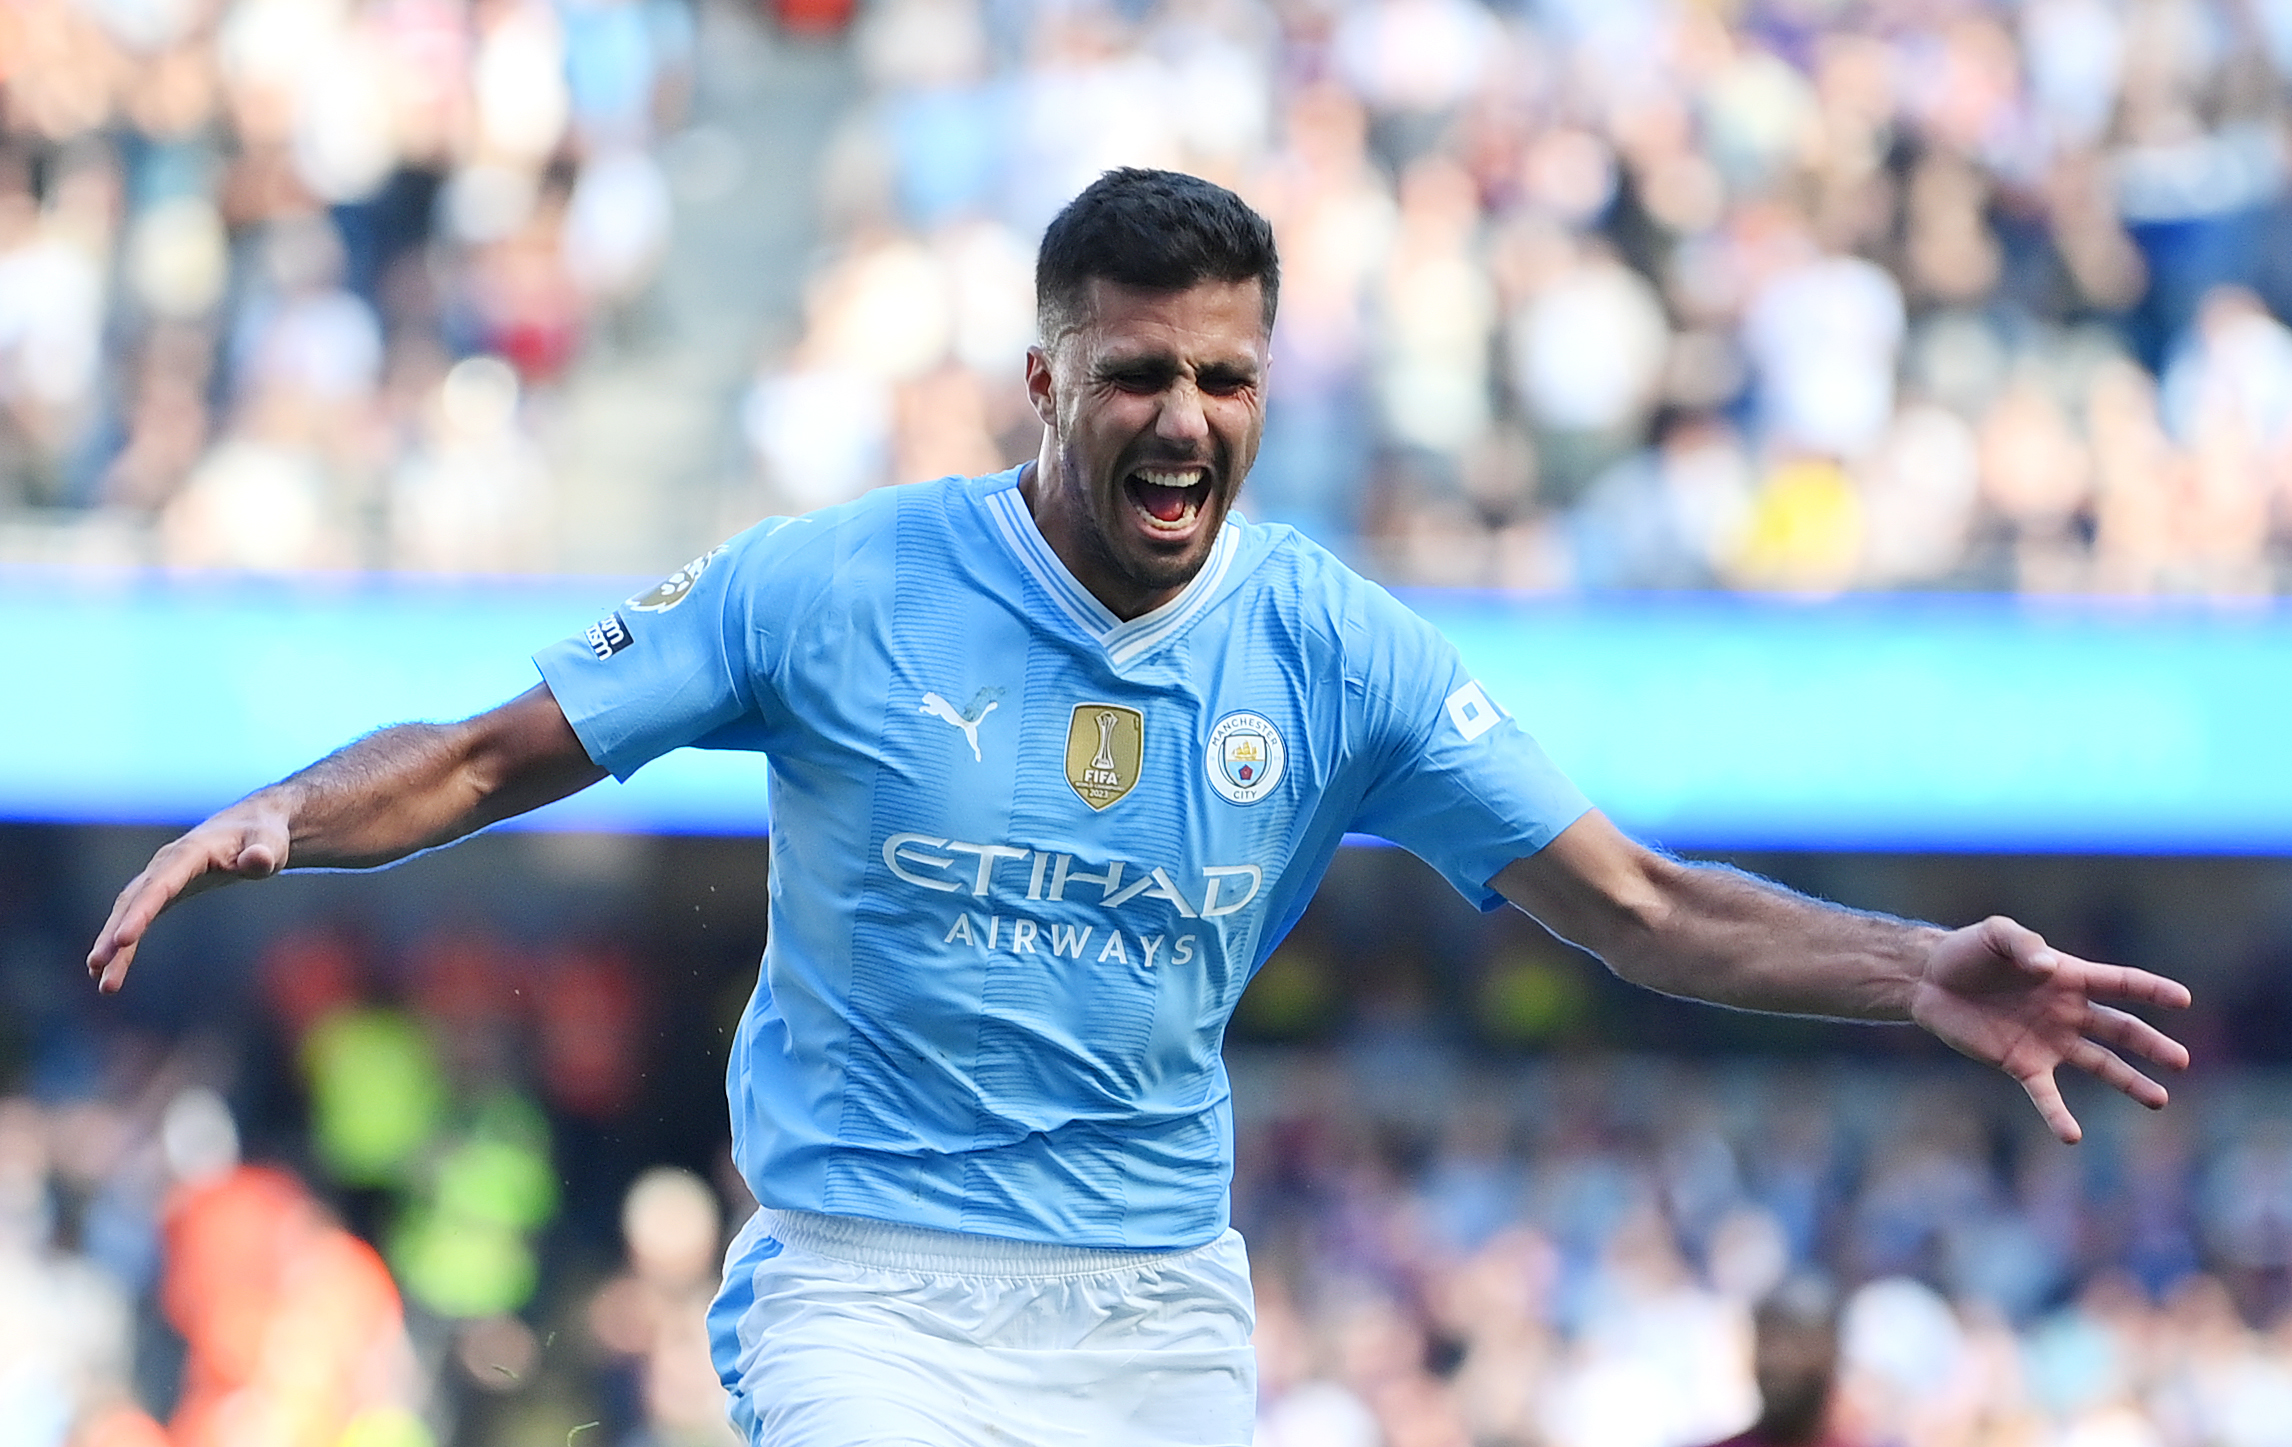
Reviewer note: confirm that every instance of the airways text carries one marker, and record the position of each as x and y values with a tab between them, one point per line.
1019	935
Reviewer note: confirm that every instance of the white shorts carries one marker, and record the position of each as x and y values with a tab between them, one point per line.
837	1332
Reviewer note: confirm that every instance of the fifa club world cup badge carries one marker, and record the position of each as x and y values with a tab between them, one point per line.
1246	757
1105	747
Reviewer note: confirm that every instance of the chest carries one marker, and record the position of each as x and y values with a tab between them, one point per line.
995	731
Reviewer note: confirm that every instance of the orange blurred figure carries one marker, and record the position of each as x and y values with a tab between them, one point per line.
123	1426
293	1325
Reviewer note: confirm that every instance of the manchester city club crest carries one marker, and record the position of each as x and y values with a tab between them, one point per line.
1105	747
1246	757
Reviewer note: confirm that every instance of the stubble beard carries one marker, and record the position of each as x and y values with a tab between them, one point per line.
1142	566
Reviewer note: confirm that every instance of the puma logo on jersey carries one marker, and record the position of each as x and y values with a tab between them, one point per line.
944	711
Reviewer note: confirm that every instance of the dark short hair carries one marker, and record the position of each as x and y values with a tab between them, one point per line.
1157	230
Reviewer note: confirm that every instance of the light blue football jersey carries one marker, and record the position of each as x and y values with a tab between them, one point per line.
1025	855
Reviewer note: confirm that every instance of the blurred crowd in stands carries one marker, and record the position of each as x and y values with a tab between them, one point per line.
1804	295
1567	1253
421	1217
1783	294
277	275
1571	1256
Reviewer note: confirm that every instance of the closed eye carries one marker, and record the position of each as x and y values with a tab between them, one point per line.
1140	379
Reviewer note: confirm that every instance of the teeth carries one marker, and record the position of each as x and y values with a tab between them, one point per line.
1171	479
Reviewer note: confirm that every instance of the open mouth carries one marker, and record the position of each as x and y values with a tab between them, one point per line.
1169	499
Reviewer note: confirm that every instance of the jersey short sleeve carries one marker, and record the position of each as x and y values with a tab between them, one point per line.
680	663
1457	782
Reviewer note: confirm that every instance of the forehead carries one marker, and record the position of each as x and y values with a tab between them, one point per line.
1210	320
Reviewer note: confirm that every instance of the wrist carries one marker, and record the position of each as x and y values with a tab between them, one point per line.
1905	985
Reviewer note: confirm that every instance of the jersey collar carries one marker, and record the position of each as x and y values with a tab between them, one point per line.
1123	641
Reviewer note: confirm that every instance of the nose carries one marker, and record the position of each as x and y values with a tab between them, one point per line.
1181	418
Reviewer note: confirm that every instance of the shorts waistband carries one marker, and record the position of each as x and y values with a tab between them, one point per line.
884	1244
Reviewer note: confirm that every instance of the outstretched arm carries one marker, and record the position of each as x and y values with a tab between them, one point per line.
391	793
1994	991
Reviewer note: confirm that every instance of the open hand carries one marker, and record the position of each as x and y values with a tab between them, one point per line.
1997	992
246	841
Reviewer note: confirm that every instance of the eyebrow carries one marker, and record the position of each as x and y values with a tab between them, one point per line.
1224	369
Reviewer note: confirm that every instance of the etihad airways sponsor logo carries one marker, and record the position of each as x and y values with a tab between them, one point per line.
995	934
948	866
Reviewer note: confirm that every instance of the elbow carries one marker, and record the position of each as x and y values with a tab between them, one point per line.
1638	920
469	772
1603	892
486	782
518	757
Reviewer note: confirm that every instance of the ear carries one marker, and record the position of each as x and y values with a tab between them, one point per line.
1041	388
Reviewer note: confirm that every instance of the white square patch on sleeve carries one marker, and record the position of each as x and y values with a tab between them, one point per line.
1471	712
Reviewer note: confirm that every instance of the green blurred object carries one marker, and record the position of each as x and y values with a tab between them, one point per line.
500	1182
1528	998
386	1427
1291	998
461	1268
464	1252
377	1094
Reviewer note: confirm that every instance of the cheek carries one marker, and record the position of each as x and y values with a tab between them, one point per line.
1109	424
1240	423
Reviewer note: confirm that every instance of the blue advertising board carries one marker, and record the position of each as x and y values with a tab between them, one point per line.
1906	722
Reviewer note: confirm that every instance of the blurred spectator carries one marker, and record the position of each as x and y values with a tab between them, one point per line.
293	1325
1438	317
1822	334
655	1316
1674	516
1794	1360
54	260
473	494
1589	346
64	1322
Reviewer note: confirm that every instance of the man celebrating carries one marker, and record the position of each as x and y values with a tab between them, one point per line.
1058	756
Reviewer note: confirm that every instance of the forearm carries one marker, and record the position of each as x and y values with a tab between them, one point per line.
392	793
407	788
1707	932
379	799
1994	991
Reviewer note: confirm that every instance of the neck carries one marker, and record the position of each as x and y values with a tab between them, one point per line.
1051	502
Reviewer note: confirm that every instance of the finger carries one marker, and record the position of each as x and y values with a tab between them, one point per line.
2046	1096
131	915
115	947
145	897
2130	1032
2104	1064
107	942
155	890
2122	982
115	974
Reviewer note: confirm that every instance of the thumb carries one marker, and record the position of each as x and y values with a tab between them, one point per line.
2018	943
257	861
